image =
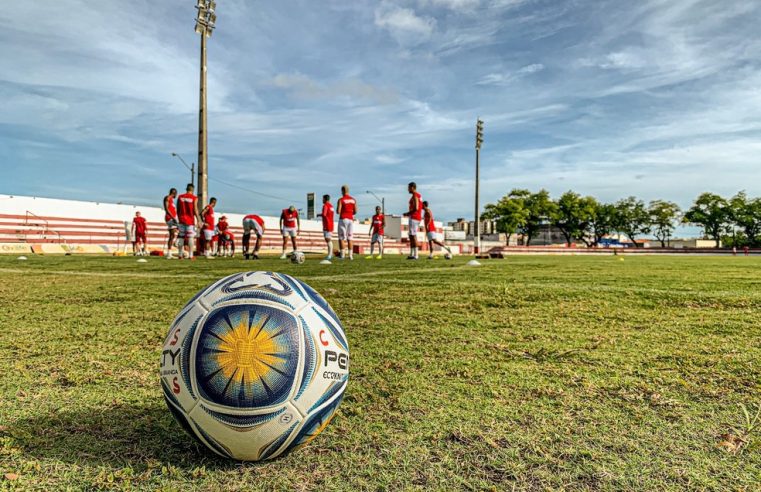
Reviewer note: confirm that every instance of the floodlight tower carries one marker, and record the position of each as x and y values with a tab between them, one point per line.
205	24
479	142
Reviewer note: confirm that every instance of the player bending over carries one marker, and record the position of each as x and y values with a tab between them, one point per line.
347	209
252	223
430	232
290	226
207	214
415	214
376	233
327	224
170	216
139	229
187	215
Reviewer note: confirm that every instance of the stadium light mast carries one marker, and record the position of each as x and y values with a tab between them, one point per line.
205	24
382	201
191	167
477	223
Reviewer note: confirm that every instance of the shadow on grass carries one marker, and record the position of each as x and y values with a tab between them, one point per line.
138	436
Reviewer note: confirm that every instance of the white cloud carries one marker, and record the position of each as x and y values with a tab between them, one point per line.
404	24
506	78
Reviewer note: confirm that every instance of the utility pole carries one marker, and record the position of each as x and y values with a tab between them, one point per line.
191	167
477	222
205	24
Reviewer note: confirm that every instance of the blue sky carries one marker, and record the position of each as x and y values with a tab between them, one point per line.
656	98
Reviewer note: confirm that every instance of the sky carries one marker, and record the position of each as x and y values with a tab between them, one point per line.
655	98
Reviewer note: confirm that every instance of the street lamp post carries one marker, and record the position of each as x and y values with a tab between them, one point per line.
382	201
205	24
477	223
191	167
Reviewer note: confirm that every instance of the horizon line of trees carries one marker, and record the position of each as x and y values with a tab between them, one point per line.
735	221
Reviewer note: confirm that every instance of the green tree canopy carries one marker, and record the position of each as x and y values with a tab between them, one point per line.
746	214
509	213
573	215
632	218
663	218
712	213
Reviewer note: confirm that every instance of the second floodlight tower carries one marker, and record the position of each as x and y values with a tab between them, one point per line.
477	223
205	24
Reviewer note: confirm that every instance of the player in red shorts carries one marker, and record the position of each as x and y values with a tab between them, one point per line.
187	216
226	238
415	214
347	209
430	232
139	229
327	224
207	214
290	225
170	217
252	223
376	233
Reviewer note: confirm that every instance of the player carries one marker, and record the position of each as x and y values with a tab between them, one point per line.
415	214
256	224
327	224
376	233
290	226
170	217
347	209
430	231
187	216
139	229
207	214
225	238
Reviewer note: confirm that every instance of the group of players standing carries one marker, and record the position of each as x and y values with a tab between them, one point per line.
182	215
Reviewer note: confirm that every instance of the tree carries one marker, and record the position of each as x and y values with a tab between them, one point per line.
632	218
509	213
573	215
663	216
538	209
712	213
746	214
603	220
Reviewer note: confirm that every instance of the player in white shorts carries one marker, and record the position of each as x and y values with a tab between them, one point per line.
290	225
376	233
430	232
256	224
327	224
415	214
347	209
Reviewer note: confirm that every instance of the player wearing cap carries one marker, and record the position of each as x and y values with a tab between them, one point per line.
430	231
187	216
415	214
252	223
170	217
139	229
376	232
327	224
290	226
207	214
225	238
347	209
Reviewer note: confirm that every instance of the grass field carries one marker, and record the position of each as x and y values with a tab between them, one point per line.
578	373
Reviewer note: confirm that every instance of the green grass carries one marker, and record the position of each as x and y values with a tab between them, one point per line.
578	373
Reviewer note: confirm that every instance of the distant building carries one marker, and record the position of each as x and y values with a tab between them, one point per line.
692	243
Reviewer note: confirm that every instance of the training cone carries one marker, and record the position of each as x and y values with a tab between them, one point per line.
22	258
326	262
473	263
142	260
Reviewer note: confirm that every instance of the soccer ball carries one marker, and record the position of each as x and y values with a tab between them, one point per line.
255	365
447	256
298	257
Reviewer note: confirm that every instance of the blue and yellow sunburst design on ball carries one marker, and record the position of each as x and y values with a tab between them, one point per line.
247	356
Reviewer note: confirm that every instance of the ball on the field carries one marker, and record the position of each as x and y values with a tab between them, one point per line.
298	257
255	365
447	256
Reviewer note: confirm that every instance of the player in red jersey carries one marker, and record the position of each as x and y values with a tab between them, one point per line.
187	215
170	217
139	229
207	214
430	232
376	232
256	224
327	224
226	240
347	209
290	226
415	214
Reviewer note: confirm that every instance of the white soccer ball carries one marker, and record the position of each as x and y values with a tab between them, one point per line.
255	365
298	257
447	256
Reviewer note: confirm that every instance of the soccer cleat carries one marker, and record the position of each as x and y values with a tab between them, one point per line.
379	257
256	256
245	256
329	257
283	256
430	257
370	257
412	257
